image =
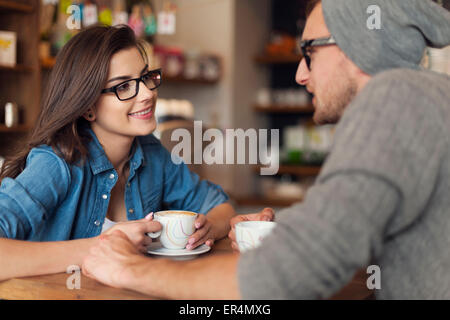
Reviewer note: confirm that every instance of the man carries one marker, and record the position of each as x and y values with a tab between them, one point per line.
382	196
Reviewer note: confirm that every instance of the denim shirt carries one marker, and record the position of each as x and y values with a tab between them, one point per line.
51	200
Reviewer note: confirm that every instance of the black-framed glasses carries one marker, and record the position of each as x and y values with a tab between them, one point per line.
305	46
130	88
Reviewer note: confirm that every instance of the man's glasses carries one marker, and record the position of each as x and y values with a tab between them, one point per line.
130	88
306	45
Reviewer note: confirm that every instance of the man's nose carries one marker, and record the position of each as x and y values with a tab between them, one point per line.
302	76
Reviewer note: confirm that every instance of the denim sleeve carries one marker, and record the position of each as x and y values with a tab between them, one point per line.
183	189
27	201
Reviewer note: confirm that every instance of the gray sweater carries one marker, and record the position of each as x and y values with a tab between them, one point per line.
383	197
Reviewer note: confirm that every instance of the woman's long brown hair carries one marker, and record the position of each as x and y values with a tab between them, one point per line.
74	86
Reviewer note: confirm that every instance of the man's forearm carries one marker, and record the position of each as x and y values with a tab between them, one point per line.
212	277
24	258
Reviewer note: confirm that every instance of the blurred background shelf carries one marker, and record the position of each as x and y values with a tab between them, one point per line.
15	6
262	201
15	129
183	80
21	83
48	64
298	170
17	68
306	109
278	59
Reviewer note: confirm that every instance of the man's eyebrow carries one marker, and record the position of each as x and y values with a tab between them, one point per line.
126	77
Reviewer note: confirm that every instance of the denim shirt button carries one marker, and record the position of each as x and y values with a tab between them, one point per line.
131	210
105	196
111	176
97	223
128	184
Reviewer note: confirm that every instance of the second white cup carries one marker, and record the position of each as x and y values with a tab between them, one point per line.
249	234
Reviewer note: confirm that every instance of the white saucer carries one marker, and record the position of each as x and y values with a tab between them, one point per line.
176	254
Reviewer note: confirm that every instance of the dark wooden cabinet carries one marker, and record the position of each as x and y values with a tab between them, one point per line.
22	83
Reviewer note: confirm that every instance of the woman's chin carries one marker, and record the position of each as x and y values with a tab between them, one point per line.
145	130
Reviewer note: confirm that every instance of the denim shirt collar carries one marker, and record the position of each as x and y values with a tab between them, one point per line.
99	162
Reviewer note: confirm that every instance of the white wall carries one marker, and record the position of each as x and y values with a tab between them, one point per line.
236	30
252	30
208	26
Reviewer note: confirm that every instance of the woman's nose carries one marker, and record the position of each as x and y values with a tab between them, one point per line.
302	76
144	92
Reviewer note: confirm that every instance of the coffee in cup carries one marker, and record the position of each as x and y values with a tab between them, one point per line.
177	227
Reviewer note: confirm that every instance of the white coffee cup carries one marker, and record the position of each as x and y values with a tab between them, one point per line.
177	227
249	234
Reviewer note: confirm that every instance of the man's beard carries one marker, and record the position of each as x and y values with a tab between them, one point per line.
332	102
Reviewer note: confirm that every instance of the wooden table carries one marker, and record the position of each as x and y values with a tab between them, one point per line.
53	287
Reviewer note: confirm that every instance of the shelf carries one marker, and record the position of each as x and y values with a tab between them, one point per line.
187	81
298	170
306	109
21	83
16	129
50	62
14	6
263	201
17	68
279	59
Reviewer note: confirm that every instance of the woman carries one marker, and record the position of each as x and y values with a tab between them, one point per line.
91	162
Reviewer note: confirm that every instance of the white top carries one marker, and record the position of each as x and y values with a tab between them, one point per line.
107	224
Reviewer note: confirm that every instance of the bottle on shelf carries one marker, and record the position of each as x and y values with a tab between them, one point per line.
11	114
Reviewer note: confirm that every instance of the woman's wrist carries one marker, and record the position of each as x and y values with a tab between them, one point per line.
84	248
219	217
218	230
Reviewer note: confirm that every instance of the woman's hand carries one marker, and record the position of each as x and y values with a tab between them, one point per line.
137	231
204	234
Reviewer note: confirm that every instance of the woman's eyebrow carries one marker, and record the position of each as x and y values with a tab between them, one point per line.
126	77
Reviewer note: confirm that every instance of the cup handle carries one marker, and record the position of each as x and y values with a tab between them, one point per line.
154	235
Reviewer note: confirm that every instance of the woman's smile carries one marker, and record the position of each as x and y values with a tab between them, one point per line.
143	114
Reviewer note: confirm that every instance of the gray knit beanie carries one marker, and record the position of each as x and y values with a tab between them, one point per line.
383	34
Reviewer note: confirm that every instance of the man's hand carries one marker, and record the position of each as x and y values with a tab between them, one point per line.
137	231
267	214
113	260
